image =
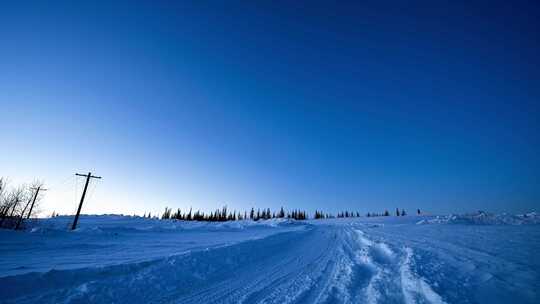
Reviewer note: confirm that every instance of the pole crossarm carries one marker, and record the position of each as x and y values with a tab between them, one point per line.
87	175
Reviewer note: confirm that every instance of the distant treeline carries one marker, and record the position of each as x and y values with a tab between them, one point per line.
223	215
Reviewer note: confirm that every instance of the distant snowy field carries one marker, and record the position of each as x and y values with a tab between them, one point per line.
478	258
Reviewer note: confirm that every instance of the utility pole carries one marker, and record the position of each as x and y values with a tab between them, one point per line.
19	221
34	200
88	177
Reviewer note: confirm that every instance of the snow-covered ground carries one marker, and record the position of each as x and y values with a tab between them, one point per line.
411	259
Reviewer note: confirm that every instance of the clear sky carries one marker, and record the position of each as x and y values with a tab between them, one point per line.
365	106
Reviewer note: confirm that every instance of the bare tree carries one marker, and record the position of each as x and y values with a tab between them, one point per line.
2	186
13	201
3	199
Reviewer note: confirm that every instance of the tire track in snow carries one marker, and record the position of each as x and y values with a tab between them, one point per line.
363	256
321	267
297	268
381	259
414	289
295	286
257	269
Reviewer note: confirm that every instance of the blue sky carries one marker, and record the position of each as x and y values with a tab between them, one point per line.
365	106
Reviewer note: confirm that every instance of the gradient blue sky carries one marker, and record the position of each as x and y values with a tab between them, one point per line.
362	106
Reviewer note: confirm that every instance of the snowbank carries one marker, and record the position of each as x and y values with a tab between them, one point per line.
119	223
484	218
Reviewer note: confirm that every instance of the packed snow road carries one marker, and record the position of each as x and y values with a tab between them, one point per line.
386	260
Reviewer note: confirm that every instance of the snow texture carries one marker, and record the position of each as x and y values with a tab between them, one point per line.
478	258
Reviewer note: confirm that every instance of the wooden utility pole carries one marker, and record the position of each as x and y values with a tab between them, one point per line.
34	200
88	177
19	221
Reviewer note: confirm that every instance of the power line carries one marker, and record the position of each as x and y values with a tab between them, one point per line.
61	183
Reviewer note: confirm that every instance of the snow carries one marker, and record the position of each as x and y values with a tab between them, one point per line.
473	258
484	218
